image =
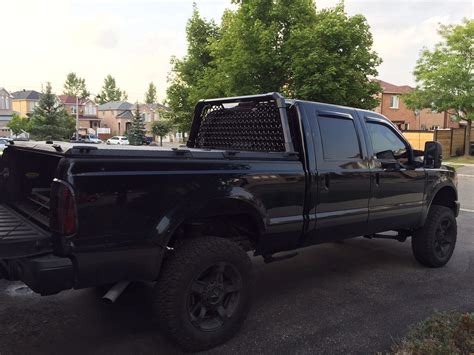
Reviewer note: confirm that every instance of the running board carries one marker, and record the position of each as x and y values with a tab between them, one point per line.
400	236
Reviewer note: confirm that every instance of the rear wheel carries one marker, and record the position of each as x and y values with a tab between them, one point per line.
433	244
203	294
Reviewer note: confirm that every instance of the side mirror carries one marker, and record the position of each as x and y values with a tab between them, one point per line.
387	160
433	155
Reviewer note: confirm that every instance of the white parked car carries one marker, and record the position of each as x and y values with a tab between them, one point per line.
3	145
120	140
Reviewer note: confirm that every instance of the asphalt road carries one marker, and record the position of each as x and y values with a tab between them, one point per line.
353	297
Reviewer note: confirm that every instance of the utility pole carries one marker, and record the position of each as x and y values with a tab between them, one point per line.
77	117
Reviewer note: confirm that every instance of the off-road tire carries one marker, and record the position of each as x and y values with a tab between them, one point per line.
425	240
173	289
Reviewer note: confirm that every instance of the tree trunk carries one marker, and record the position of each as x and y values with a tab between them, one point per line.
467	138
161	141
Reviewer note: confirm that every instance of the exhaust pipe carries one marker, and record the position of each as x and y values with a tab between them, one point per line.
114	292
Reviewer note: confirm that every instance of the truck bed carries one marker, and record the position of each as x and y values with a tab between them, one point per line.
20	237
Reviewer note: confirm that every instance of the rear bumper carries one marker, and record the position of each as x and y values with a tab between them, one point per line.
46	275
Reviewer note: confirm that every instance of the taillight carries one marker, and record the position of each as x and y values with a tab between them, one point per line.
63	208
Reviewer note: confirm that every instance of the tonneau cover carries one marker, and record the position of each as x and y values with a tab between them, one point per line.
78	150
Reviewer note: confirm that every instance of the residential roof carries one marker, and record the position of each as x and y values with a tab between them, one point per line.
3	89
389	88
158	107
115	105
27	95
68	99
125	114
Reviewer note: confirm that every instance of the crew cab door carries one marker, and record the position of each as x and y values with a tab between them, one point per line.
343	176
397	191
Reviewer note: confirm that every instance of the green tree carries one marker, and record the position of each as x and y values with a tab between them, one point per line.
110	91
161	128
75	86
49	120
18	124
187	73
331	60
276	45
150	95
444	75
136	135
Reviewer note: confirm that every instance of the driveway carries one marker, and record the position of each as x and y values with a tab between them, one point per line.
335	298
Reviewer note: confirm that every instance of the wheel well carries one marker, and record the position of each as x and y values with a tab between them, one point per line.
445	197
241	228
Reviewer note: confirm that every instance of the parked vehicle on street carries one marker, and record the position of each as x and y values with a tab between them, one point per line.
3	144
86	138
259	174
118	140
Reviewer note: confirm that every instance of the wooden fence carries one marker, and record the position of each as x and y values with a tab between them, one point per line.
418	139
452	140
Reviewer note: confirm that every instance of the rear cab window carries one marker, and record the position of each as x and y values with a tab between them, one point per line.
339	138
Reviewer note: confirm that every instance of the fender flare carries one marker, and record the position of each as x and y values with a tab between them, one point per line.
433	194
237	204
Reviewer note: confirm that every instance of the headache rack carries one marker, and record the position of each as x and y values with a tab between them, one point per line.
256	123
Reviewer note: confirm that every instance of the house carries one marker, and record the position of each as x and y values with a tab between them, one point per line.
89	121
392	106
151	113
6	112
25	101
155	112
117	116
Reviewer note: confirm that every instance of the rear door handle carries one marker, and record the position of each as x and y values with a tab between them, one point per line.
325	181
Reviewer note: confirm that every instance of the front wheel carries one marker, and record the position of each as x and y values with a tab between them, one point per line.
203	294
433	244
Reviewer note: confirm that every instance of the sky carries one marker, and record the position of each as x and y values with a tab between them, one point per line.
134	40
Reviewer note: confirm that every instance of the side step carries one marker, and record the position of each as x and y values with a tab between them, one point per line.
400	236
271	258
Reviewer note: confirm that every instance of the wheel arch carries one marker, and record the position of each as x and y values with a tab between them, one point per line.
445	195
182	221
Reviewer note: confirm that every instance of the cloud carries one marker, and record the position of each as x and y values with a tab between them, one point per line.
134	40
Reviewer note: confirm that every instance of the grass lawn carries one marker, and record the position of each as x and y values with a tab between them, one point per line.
443	333
460	160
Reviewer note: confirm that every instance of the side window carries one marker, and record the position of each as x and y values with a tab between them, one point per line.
339	138
385	140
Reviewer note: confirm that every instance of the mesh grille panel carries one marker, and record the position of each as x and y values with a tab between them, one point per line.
255	128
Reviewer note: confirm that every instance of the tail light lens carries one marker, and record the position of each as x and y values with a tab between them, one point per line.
63	208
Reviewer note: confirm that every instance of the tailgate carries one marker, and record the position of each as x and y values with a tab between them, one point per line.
19	237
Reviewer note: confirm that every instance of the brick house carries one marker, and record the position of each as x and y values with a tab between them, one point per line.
116	115
392	106
6	112
151	113
25	101
88	119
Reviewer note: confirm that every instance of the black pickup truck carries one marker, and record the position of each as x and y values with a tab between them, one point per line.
259	174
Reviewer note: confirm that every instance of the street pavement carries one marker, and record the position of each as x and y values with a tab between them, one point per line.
353	297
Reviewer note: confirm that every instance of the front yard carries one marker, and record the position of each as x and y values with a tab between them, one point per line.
460	160
444	333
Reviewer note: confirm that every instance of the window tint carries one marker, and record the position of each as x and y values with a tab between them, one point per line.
384	139
339	138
